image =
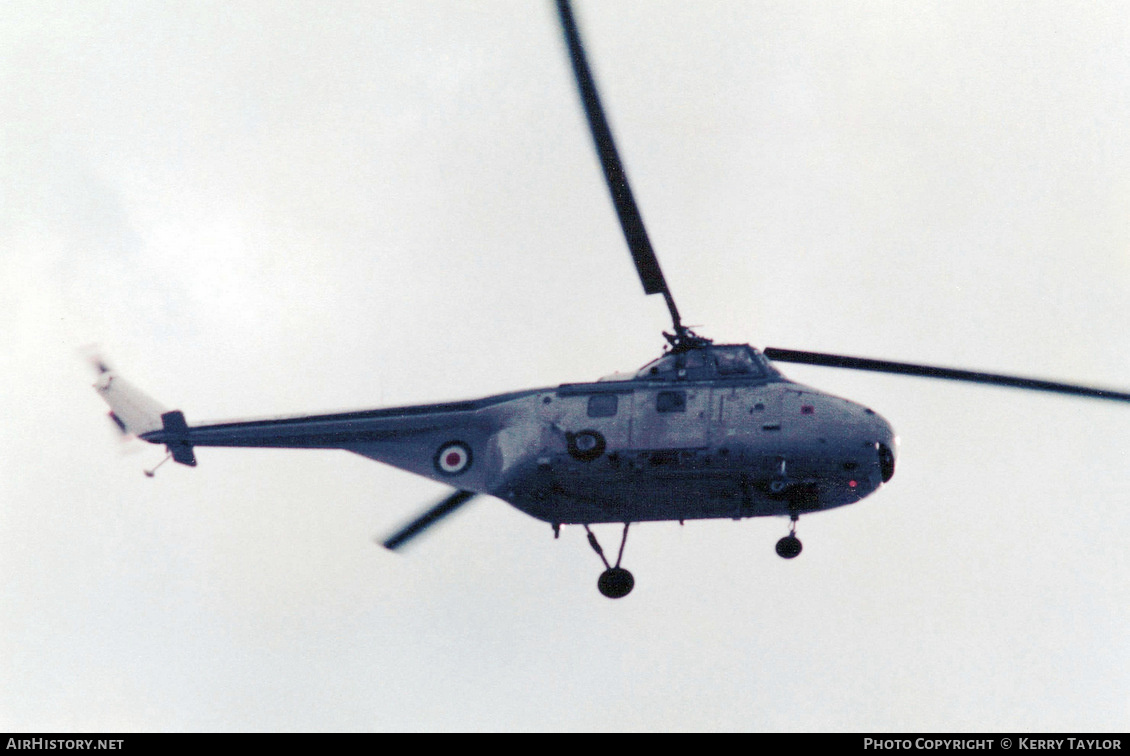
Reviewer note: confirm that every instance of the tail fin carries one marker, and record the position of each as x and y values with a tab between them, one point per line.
137	414
132	411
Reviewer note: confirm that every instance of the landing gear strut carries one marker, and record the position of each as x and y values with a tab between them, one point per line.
615	582
789	546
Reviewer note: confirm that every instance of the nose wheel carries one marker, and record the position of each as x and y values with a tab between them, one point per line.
789	547
615	582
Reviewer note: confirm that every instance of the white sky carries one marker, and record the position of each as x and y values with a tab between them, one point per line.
267	208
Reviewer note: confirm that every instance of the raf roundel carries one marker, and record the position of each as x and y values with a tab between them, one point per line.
453	458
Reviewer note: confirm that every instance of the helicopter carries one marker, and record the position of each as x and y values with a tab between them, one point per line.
703	431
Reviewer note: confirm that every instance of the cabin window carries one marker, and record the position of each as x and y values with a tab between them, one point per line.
671	401
602	405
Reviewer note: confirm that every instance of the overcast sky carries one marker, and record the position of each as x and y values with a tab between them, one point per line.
265	208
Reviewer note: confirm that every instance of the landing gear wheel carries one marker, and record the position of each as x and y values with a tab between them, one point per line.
615	582
789	547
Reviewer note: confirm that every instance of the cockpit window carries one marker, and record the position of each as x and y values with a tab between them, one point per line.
661	368
690	365
695	359
736	361
731	361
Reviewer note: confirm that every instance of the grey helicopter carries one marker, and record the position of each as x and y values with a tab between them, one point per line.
703	431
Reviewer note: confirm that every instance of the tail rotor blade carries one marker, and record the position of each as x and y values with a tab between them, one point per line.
932	371
427	519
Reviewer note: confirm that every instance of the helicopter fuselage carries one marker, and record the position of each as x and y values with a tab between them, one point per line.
772	448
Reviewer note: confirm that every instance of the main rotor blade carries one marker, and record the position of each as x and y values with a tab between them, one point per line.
630	220
427	519
930	371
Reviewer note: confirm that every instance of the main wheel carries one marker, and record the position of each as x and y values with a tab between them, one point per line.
788	547
615	582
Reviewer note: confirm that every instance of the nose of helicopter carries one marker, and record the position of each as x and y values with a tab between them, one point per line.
858	424
886	443
841	427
